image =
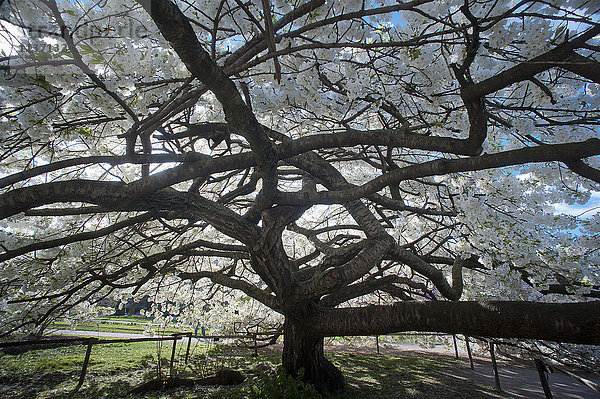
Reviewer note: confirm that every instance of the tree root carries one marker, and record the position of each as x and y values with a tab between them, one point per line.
222	377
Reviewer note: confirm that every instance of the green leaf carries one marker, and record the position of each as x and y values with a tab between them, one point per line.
86	49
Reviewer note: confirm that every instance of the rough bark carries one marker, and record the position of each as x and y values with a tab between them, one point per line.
561	322
307	296
303	356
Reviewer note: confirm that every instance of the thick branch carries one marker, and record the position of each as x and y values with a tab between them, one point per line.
582	169
269	259
565	322
452	291
193	206
582	66
114	196
176	29
106	159
336	277
383	137
561	56
557	152
108	194
197	165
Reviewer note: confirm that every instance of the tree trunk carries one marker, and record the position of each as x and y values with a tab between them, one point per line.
303	356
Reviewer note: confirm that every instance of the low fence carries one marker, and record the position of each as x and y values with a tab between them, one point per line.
543	367
90	342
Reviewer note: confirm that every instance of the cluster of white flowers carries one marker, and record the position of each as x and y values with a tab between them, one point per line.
505	216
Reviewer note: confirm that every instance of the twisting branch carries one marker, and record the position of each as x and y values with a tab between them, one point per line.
342	275
561	56
557	152
452	292
176	28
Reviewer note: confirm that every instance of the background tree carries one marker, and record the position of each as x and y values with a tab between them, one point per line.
313	156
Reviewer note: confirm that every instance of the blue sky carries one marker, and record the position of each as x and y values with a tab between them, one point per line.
585	211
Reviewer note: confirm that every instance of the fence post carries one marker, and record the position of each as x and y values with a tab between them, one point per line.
455	345
539	365
187	351
173	355
495	366
469	352
86	361
255	339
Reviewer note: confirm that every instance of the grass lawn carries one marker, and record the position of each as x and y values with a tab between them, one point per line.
116	324
116	368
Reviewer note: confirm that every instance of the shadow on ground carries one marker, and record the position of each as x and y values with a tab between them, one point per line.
405	376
